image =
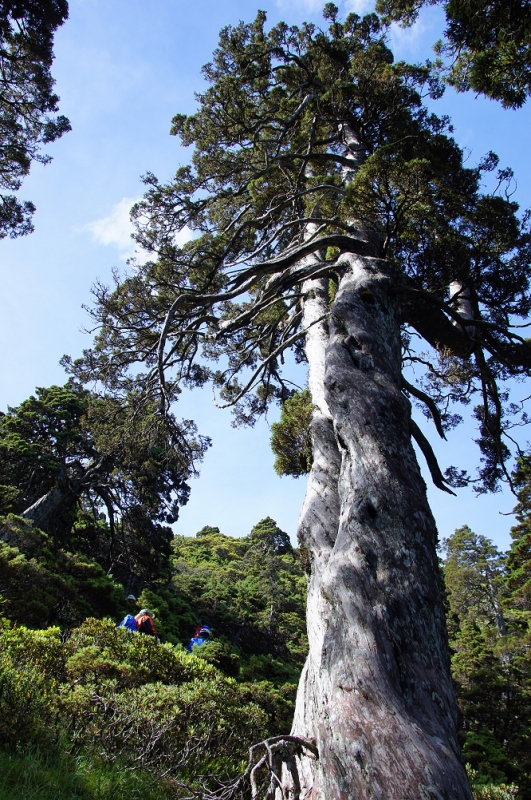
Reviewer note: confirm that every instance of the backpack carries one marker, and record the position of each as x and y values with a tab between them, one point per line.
129	623
196	641
145	625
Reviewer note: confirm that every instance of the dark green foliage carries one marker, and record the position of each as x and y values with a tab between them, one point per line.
519	556
278	702
491	663
36	441
219	654
491	791
41	585
25	704
78	442
299	127
290	437
251	591
126	700
27	100
112	698
488	44
266	539
100	475
56	775
473	574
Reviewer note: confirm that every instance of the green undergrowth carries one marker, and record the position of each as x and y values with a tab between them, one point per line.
109	709
56	775
490	791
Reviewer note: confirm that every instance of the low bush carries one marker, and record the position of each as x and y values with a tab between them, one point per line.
490	791
120	699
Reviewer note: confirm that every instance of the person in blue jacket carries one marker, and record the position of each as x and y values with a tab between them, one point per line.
201	636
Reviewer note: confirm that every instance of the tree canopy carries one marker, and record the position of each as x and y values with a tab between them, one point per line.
334	216
71	457
318	143
488	44
27	100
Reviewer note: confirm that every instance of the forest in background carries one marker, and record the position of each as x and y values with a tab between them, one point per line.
128	714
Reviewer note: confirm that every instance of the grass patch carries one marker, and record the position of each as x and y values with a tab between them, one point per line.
57	776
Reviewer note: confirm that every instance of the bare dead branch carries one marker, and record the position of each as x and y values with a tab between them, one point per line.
431	460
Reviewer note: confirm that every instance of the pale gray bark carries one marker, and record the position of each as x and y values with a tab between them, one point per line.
319	517
47	506
461	297
375	694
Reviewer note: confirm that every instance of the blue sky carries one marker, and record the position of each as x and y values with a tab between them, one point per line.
123	69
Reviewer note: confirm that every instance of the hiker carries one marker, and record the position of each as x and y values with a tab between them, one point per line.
144	620
131	599
201	636
141	623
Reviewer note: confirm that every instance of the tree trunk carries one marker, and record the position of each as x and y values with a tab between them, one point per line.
48	506
376	694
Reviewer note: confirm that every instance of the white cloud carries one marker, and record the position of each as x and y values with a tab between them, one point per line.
116	228
406	42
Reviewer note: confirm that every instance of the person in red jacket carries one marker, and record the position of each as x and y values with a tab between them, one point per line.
144	620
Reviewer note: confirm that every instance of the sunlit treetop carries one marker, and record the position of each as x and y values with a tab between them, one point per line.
309	146
487	44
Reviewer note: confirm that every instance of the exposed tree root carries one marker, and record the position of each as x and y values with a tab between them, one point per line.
262	777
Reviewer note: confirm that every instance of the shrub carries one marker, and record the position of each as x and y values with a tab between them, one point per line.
125	699
26	705
43	650
490	791
196	729
100	651
220	656
41	585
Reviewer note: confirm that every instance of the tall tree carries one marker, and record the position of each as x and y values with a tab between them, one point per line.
27	100
491	665
334	216
473	574
488	44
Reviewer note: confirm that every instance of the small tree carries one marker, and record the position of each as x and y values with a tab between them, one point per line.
317	167
290	437
473	574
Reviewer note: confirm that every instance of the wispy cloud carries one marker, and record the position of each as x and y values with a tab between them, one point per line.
116	228
360	7
407	42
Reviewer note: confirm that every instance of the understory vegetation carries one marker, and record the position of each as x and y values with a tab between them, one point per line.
89	711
